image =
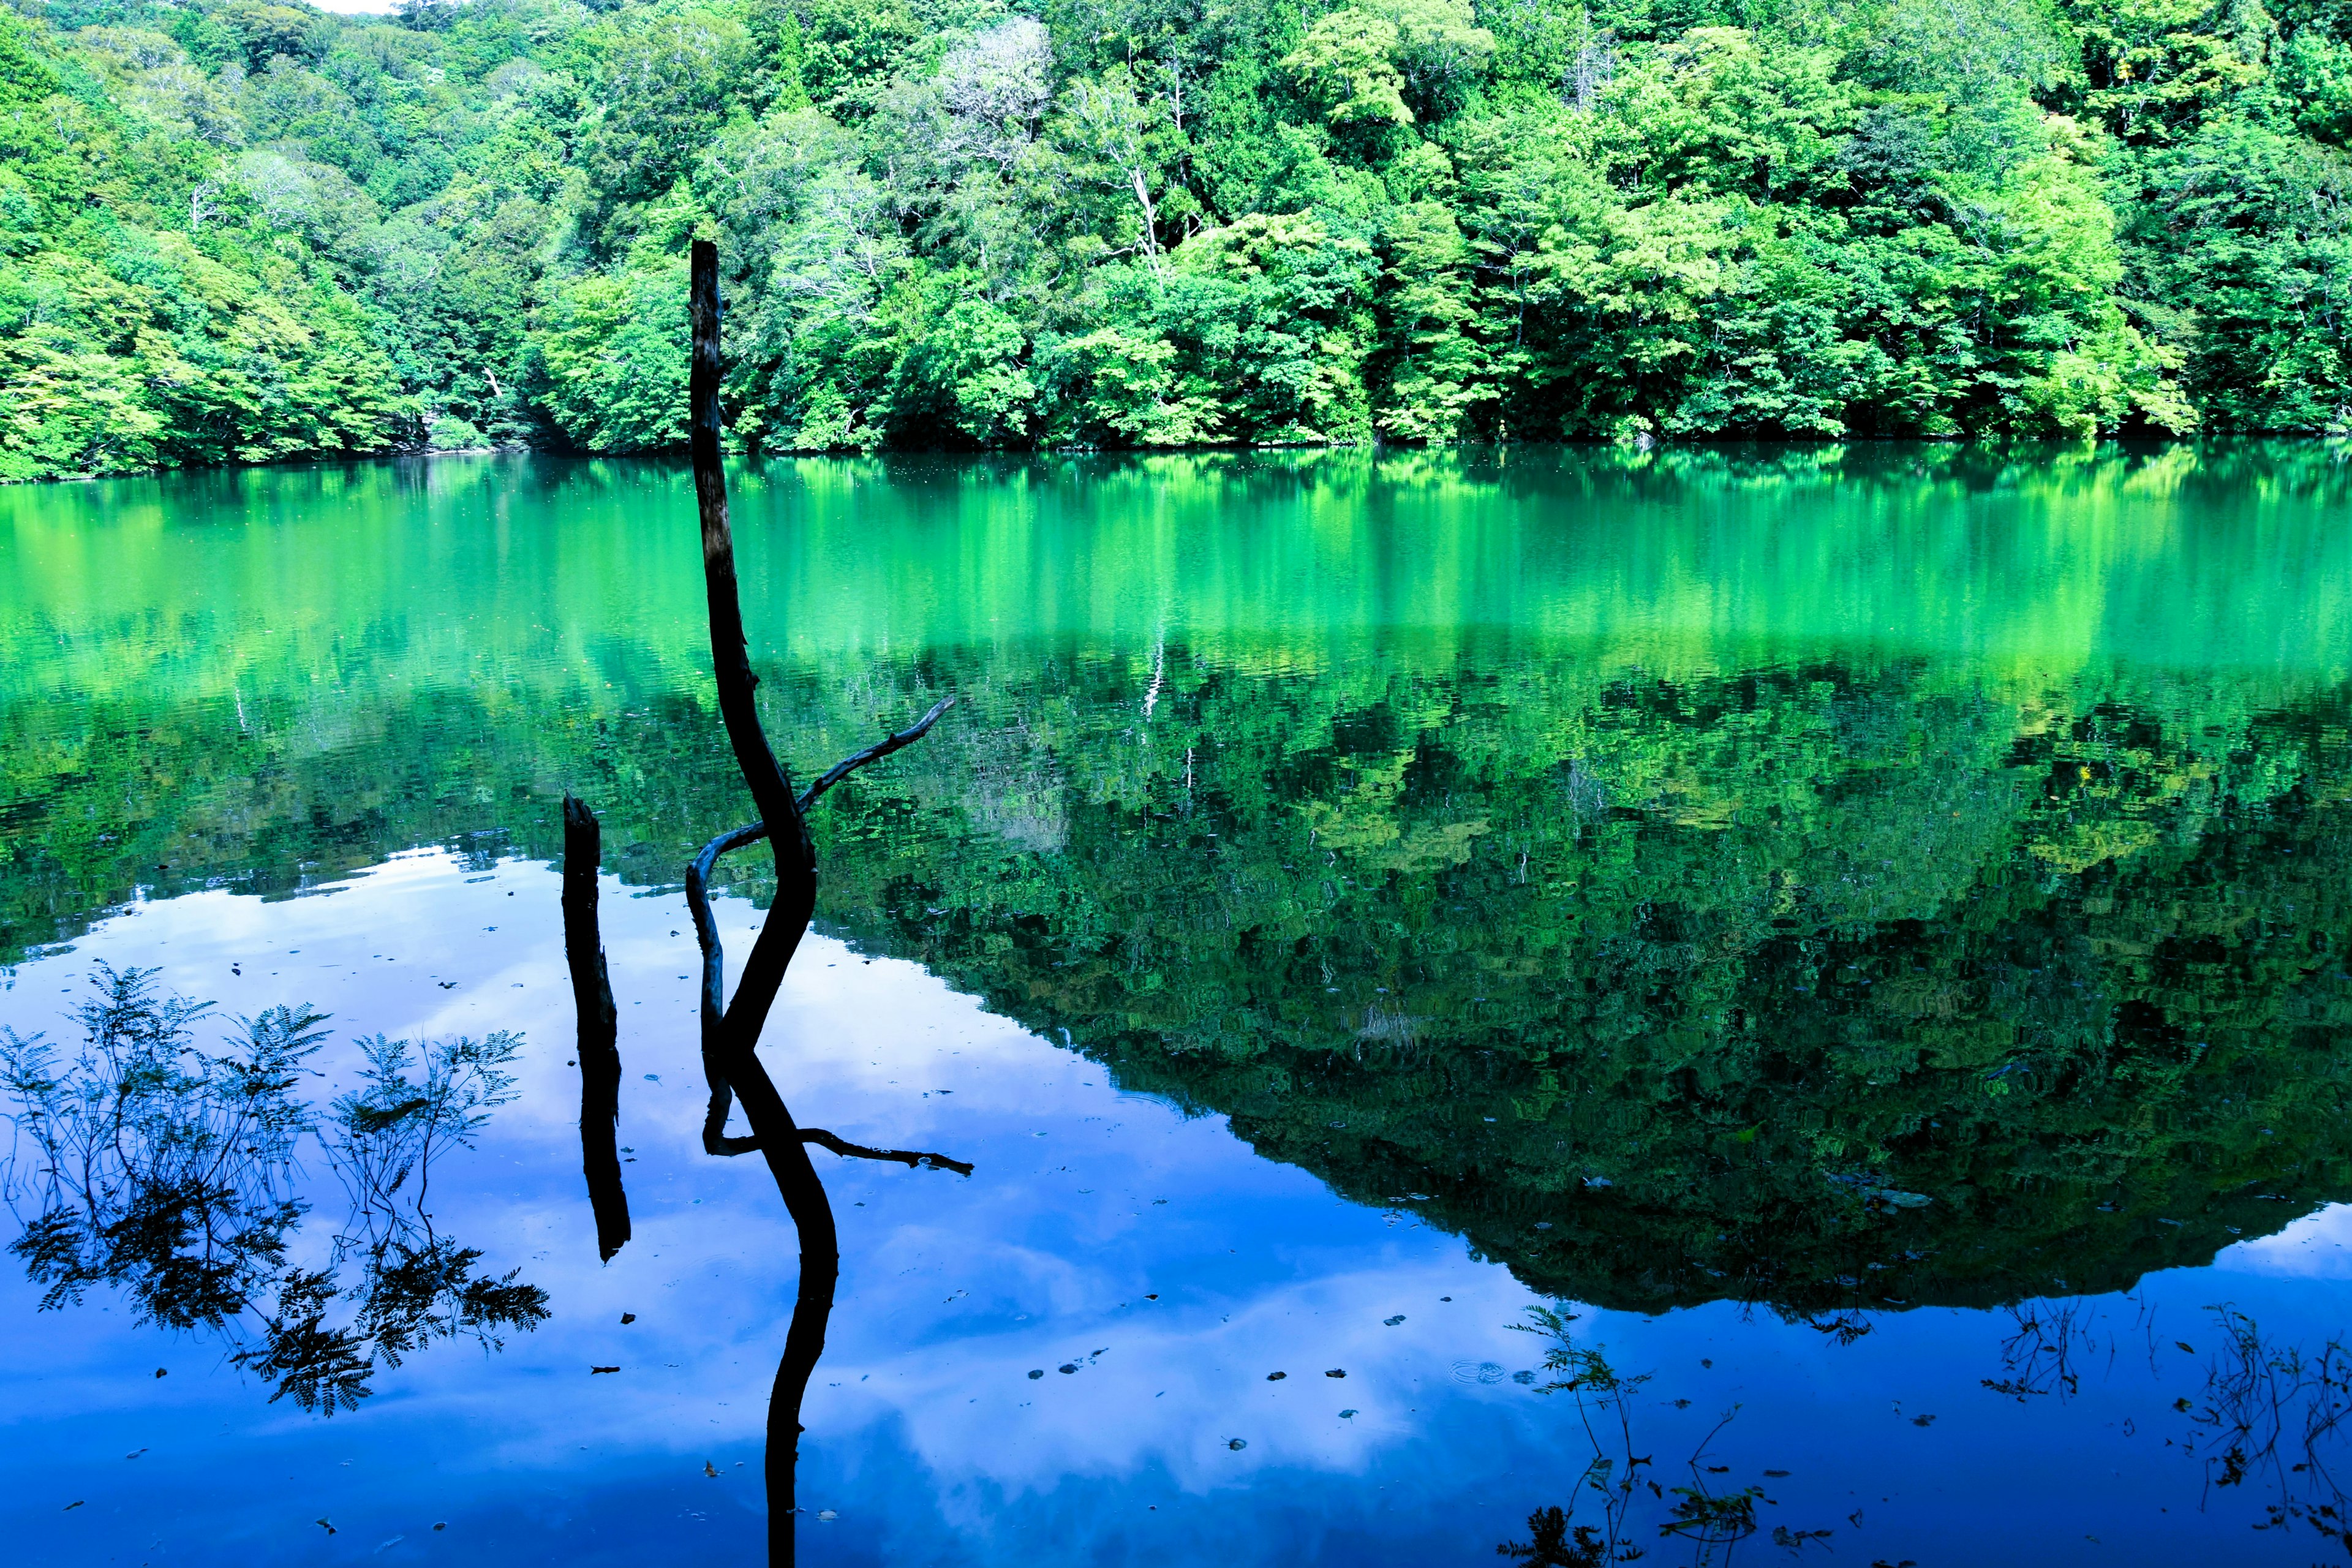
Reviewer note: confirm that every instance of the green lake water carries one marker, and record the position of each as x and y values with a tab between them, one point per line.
1863	931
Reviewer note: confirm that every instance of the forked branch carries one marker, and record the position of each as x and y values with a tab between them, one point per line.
730	1029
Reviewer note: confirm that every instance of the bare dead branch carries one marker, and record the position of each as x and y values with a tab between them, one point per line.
910	1158
713	1009
731	1028
706	929
913	1159
730	1040
881	748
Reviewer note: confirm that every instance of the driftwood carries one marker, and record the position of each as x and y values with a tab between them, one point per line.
600	1049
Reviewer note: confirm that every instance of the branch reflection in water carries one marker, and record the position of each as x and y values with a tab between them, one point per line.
730	1030
169	1172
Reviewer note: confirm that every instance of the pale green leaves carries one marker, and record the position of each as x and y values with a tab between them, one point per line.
1365	62
615	352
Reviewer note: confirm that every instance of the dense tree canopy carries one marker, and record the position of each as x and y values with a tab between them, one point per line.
238	230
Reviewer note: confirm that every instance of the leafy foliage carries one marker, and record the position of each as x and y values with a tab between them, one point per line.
172	1174
239	232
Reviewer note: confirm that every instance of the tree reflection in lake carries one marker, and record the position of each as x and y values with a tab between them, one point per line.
172	1173
1830	891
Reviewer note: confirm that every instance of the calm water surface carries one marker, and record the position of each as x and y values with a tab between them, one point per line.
1773	1002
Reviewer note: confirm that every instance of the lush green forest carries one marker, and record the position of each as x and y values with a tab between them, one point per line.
237	230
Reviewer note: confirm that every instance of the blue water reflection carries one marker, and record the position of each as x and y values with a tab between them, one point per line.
1872	918
1155	1254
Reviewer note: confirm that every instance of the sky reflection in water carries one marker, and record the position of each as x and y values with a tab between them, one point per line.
927	1438
1587	852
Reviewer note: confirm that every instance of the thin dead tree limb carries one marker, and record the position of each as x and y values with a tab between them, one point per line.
599	1038
736	1037
731	1028
714	989
913	1159
879	749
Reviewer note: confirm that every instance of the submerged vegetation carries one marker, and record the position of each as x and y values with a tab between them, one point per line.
239	230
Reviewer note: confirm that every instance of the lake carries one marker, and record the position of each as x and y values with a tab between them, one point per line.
1770	1000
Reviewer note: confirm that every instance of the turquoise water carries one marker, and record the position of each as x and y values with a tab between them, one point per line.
1853	934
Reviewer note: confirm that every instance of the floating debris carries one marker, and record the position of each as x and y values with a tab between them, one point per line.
1035	1373
1275	1376
594	1369
1336	1372
1393	1322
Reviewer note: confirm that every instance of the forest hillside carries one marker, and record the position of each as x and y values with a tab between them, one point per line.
241	230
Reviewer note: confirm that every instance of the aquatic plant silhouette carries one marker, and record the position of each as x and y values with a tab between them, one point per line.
1551	1545
1713	1520
171	1174
2279	1415
2037	1356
